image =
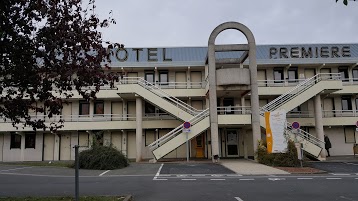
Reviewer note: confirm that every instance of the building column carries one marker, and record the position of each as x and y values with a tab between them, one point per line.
244	133
124	108
243	104
124	143
139	128
188	78
56	151
22	156
319	121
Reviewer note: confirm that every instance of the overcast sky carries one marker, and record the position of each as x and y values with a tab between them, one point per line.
168	23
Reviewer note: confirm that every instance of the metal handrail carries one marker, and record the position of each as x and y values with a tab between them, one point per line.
234	110
300	88
159	92
173	133
307	136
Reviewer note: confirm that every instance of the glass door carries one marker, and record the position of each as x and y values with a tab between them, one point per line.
232	143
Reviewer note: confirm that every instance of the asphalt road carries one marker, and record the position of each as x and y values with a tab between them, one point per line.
146	183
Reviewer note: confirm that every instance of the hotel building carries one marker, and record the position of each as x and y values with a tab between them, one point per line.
161	88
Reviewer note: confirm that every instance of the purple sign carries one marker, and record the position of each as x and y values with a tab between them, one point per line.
295	125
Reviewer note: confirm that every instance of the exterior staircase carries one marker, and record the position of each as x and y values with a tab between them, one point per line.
156	96
295	97
199	119
177	136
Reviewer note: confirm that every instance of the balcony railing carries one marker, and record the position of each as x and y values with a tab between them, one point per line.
181	85
325	114
227	110
98	117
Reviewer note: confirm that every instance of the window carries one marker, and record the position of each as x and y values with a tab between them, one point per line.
344	74
355	74
149	108
346	103
84	108
292	75
98	107
163	77
278	75
349	134
149	136
356	104
149	76
30	140
15	141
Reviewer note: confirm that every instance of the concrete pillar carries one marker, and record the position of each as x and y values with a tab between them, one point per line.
56	151
139	128
243	105
222	104
125	110
188	78
22	156
74	141
124	142
156	76
244	133
318	120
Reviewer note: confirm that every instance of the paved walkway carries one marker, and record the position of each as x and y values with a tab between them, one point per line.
249	167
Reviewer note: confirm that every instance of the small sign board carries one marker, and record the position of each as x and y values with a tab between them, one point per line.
186	127
295	125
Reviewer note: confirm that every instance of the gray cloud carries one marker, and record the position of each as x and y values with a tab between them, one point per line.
155	23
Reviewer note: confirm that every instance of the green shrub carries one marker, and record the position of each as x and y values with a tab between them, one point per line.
102	158
288	159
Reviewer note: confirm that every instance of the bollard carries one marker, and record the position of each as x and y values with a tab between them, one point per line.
76	174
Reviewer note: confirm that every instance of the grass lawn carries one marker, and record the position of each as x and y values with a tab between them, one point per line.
89	198
41	163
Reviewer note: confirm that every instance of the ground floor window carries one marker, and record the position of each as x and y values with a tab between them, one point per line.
30	140
15	142
98	107
84	108
349	134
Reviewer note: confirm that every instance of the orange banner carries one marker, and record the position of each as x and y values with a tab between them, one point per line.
269	140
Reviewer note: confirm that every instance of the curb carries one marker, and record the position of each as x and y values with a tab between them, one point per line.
128	198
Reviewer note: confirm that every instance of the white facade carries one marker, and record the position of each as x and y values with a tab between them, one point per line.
183	75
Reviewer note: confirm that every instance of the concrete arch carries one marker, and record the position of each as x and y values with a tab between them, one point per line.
255	118
233	25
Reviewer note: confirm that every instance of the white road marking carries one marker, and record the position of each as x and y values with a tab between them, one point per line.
276	179
239	199
182	175
217	179
188	179
15	169
305	178
160	179
198	175
103	173
340	174
346	198
216	175
333	178
234	175
355	178
160	168
247	179
158	173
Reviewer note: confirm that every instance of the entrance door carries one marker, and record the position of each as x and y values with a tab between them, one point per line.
65	147
232	143
49	144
